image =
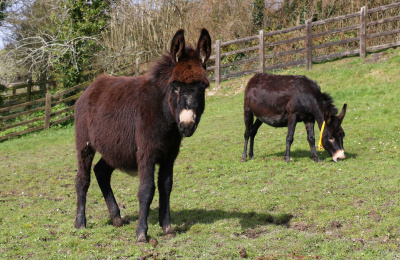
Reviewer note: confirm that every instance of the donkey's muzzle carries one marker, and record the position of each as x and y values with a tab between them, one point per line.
187	124
187	130
338	155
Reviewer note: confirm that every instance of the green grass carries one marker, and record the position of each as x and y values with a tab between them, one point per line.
220	206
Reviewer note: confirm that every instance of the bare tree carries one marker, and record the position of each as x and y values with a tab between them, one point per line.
32	47
139	29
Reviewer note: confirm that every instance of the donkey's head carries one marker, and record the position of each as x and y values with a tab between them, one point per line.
333	134
189	80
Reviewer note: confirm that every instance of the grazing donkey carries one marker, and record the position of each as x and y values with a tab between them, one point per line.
138	122
282	101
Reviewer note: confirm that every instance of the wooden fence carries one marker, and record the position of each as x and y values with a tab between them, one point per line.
23	91
257	44
44	113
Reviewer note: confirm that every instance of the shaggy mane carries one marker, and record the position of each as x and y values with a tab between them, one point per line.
160	72
328	100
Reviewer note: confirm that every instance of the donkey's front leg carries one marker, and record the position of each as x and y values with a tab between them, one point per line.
82	182
145	195
289	138
165	180
253	133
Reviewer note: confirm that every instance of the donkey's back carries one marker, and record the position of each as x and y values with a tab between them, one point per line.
272	97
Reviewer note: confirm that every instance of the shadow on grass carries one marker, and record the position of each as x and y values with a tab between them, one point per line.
296	154
183	220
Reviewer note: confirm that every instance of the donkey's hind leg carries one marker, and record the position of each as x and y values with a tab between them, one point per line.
289	137
82	182
311	139
103	173
248	122
253	133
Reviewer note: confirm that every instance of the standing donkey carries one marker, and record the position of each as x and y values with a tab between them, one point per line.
284	100
138	122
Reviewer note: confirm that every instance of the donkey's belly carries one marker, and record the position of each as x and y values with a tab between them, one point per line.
275	121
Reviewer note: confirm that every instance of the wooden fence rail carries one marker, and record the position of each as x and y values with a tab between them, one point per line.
29	91
42	106
43	113
257	44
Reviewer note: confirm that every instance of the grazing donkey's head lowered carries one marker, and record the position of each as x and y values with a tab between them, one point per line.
138	122
333	133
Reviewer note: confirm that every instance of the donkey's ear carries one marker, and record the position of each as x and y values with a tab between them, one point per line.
343	113
204	46
178	46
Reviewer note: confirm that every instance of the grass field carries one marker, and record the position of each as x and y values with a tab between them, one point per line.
222	208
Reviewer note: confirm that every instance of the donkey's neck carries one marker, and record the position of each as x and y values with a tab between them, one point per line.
319	113
324	102
159	76
167	109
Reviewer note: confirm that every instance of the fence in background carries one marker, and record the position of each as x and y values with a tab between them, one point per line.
48	110
54	109
257	44
20	92
45	112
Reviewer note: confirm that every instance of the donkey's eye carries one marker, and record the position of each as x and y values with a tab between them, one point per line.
331	139
176	88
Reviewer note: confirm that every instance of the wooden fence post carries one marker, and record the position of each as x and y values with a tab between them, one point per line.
137	67
309	44
47	111
261	52
217	62
29	90
363	30
28	93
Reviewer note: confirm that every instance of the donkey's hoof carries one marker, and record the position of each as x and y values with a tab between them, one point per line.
244	159
315	159
117	222
169	231
141	238
79	224
287	158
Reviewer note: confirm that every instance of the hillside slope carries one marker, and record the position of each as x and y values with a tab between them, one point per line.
222	208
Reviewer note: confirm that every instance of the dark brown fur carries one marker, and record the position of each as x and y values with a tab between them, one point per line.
134	123
284	100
